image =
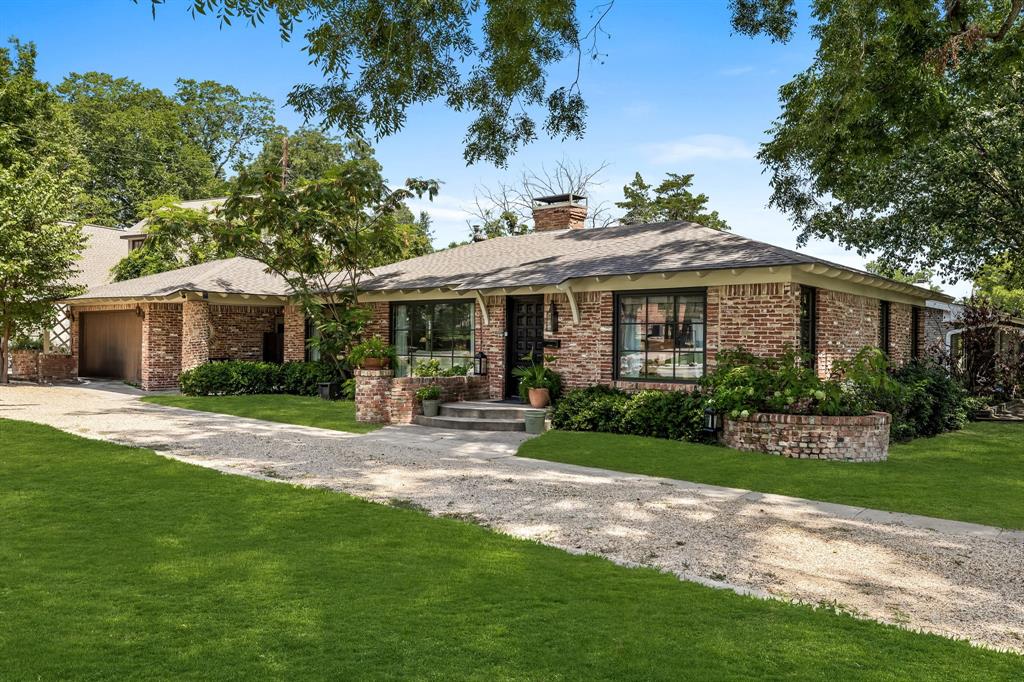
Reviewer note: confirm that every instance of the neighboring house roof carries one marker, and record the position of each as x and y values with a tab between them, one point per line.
139	229
226	276
550	258
104	248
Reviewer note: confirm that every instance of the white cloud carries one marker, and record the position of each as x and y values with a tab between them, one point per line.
716	147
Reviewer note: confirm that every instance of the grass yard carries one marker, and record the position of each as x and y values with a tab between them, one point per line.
339	415
116	563
972	475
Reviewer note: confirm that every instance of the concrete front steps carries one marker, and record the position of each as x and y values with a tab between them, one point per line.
483	415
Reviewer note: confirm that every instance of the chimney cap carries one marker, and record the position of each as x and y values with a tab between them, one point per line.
561	199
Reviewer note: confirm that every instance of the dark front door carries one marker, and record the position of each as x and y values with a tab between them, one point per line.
525	337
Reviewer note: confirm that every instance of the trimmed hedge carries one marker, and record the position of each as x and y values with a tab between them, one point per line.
677	415
241	377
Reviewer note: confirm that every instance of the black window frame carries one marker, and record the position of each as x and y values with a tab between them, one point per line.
808	323
392	329
885	327
702	291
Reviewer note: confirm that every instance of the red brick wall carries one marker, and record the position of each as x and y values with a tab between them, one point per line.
585	355
373	395
195	334
161	346
294	334
853	439
899	333
846	323
236	332
380	321
25	365
403	403
55	367
491	340
760	318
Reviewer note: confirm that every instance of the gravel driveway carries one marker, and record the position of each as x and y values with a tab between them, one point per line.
953	579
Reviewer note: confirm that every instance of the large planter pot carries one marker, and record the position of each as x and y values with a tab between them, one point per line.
431	408
540	397
375	363
535	420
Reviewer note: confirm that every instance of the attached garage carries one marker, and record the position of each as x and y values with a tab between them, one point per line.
110	345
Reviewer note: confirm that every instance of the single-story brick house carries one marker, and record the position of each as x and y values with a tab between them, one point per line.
642	306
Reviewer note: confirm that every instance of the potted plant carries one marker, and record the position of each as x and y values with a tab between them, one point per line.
372	354
430	396
538	384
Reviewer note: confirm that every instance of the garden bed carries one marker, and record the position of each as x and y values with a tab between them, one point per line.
848	439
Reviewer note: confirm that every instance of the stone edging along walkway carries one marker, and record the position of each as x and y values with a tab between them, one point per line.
952	578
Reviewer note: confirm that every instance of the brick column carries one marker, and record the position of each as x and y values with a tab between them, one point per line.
294	334
195	334
373	395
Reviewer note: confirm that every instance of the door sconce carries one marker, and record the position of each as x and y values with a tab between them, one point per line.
551	323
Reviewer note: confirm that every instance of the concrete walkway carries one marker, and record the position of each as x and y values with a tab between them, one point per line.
957	579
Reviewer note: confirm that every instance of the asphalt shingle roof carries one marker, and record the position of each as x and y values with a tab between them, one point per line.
228	276
103	249
546	258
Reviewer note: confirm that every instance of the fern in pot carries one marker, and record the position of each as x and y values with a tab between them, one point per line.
538	384
430	396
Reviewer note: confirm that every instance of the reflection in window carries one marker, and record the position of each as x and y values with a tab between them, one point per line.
441	330
660	336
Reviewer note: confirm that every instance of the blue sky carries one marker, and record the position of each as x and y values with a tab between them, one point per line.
674	92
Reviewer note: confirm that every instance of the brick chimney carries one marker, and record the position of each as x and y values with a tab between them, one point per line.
559	212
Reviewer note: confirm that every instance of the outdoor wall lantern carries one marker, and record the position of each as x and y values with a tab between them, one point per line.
551	324
140	312
480	364
712	424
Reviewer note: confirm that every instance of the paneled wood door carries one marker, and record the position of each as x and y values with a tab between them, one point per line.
110	345
525	337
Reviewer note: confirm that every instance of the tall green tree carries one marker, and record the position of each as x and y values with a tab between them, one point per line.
39	171
906	134
671	200
379	58
228	125
311	153
176	237
135	141
998	286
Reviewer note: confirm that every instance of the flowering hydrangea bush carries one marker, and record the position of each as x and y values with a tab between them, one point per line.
744	384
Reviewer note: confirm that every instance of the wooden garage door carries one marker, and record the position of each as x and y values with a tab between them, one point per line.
110	345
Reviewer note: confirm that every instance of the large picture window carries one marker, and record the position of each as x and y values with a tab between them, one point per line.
441	330
660	336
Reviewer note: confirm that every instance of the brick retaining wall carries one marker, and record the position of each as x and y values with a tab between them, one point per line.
851	439
381	398
44	368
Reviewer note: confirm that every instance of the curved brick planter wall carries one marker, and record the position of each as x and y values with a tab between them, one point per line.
850	439
382	398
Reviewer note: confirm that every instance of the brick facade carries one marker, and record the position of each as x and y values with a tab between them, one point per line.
850	439
161	345
195	334
384	399
585	355
294	334
760	318
847	323
25	365
236	332
490	339
373	395
900	337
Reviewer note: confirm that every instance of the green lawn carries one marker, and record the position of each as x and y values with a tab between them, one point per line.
972	475
339	415
116	563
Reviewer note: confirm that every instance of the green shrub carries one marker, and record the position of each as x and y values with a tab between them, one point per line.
241	377
596	408
428	368
677	415
348	389
537	375
457	371
431	392
743	384
374	347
